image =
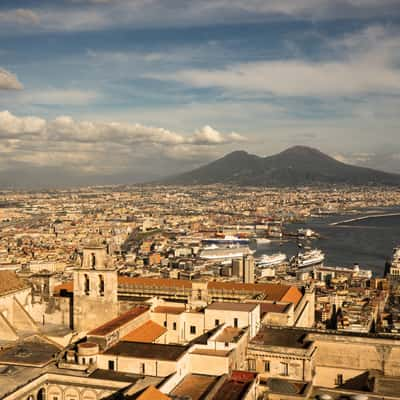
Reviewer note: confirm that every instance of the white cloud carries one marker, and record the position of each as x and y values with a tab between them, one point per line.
366	63
12	126
105	146
9	81
21	16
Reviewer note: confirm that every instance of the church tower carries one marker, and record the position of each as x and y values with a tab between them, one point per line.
95	289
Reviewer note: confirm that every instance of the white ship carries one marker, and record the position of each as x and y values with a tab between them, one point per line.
308	258
263	241
227	253
270	260
227	239
396	256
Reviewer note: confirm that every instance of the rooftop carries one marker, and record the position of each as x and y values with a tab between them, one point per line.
105	374
166	352
147	333
194	386
10	282
169	310
273	292
229	334
236	387
35	353
281	337
151	393
246	307
118	322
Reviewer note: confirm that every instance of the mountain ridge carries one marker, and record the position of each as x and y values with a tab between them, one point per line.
295	166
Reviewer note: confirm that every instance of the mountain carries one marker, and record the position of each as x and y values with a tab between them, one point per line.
296	166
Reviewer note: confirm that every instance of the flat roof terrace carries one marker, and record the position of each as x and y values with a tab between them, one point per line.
153	351
282	337
29	353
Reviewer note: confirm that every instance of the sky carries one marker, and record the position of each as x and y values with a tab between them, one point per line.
125	91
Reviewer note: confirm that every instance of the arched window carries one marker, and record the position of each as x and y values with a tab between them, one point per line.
101	285
41	394
87	284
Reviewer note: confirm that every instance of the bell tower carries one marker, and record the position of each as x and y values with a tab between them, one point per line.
95	288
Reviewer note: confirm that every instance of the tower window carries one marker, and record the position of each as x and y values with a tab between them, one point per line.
87	284
235	322
93	260
101	285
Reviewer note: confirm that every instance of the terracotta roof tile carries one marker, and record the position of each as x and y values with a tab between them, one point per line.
274	292
151	393
68	286
169	310
116	323
146	333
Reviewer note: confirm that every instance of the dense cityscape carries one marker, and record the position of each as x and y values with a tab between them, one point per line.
199	200
154	292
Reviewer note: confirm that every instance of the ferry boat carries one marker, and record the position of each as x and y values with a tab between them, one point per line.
270	260
308	258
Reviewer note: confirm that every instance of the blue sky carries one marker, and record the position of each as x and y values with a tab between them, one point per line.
110	90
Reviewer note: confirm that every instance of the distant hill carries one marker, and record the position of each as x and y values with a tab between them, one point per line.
296	166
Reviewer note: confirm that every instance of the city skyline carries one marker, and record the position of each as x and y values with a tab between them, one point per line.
118	91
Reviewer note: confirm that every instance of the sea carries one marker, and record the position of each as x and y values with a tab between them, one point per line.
368	242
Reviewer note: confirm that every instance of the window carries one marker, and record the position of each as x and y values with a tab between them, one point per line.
83	360
165	323
284	369
251	364
266	366
111	365
142	368
87	285
101	285
339	380
192	330
217	322
235	322
174	326
93	260
55	397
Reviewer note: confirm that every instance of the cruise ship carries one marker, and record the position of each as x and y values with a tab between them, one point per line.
308	258
270	260
227	253
226	240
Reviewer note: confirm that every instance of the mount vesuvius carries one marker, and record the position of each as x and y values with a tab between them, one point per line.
296	166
